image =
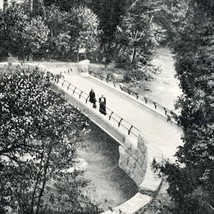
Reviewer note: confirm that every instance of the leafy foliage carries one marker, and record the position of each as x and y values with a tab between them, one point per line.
110	14
137	40
55	34
20	35
66	5
191	178
89	34
35	36
70	31
63	32
171	16
39	134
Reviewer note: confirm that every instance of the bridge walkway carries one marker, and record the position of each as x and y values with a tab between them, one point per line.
162	137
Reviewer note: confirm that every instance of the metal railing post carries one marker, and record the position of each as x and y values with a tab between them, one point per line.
120	122
87	99
74	90
129	131
68	86
137	96
80	94
110	115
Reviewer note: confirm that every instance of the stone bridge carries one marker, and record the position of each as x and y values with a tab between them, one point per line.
141	128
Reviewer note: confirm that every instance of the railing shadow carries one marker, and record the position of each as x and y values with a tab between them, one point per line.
121	122
169	114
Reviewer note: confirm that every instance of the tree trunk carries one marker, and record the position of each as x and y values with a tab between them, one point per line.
5	5
30	5
134	4
44	179
135	48
134	55
36	184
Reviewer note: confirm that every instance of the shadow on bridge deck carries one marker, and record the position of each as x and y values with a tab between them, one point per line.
142	133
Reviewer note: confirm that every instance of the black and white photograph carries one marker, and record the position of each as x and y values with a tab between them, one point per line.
106	106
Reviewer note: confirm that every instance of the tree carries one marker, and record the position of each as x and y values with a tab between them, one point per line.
110	14
72	30
56	34
12	23
190	180
5	5
137	40
34	7
63	28
22	35
39	133
35	35
66	5
88	38
171	16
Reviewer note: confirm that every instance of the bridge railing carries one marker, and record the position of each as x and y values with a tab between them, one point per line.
170	115
111	115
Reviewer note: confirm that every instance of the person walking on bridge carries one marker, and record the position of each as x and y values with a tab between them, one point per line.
102	101
92	98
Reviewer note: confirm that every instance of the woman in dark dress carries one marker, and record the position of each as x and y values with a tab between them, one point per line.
102	101
92	98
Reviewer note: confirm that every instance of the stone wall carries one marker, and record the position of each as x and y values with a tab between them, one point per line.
134	160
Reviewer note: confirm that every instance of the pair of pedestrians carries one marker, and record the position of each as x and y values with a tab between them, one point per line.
102	102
